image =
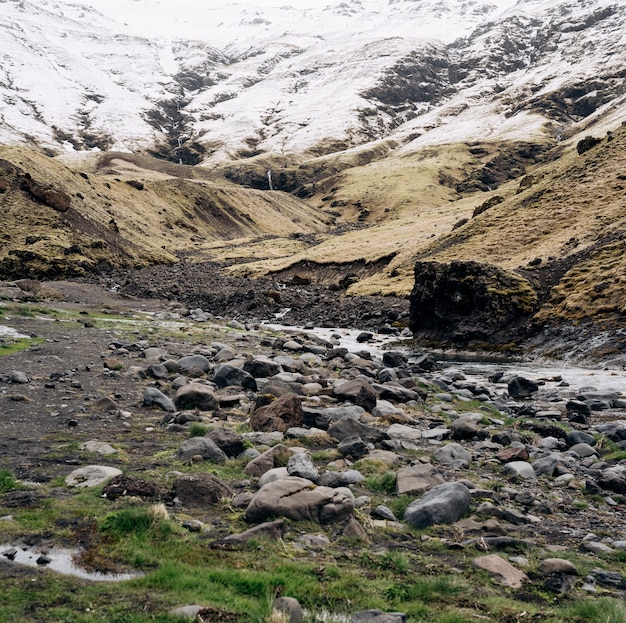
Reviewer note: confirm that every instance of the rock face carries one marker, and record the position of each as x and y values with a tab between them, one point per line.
464	301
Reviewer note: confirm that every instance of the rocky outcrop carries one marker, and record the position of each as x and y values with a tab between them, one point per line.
465	301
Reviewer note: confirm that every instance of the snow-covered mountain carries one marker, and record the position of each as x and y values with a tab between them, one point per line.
195	84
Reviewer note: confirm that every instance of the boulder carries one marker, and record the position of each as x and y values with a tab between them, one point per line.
280	415
301	465
579	436
261	367
501	570
196	396
394	359
358	392
300	500
200	490
274	457
463	428
520	387
152	397
272	530
443	504
353	447
520	469
350	427
377	616
451	454
192	362
227	440
201	446
123	485
417	479
290	608
18	377
91	476
226	375
557	565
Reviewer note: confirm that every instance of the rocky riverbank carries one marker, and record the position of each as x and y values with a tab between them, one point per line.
246	433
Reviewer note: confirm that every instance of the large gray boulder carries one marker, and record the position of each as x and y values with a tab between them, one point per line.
91	476
300	500
358	392
443	504
301	465
351	427
227	375
261	367
274	457
227	440
452	454
201	446
152	397
193	362
520	387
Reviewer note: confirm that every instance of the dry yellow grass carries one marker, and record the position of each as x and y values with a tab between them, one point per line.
113	221
393	206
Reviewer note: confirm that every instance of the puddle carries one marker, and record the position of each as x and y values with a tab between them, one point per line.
12	333
61	561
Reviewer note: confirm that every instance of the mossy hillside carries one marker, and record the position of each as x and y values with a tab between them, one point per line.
120	224
568	214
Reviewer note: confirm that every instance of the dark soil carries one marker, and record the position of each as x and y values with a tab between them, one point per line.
43	422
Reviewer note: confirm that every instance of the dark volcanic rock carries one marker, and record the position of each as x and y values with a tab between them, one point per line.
520	387
444	504
464	301
128	485
200	490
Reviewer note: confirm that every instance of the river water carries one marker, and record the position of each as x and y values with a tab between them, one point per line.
577	378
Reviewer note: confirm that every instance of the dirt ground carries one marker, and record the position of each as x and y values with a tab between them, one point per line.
44	422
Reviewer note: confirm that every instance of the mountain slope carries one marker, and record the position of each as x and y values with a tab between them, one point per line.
289	82
58	221
269	142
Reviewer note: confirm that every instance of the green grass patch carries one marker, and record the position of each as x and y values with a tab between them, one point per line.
18	345
596	611
382	483
8	482
197	429
30	311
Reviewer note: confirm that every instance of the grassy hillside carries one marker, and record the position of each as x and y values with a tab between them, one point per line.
122	213
560	223
544	210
